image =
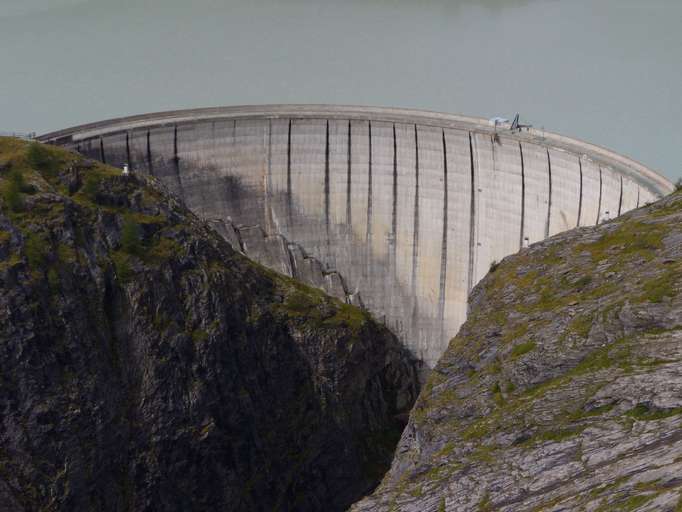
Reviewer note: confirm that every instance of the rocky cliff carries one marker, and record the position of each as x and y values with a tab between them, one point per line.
563	390
146	365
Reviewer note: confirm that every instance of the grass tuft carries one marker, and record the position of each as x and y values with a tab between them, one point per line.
131	237
36	251
522	349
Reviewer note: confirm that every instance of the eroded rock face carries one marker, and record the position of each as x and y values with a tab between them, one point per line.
148	366
563	390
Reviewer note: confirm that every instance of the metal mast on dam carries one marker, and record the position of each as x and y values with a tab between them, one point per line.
410	207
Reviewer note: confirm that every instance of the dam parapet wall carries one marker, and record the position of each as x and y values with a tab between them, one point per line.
410	207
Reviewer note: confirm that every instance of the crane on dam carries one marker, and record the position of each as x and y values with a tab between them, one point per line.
516	126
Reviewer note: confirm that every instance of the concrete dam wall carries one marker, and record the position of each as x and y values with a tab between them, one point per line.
407	208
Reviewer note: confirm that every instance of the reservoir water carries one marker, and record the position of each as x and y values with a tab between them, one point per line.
608	71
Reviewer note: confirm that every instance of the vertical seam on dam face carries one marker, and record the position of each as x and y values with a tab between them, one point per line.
472	216
268	183
415	236
176	160
289	198
348	176
326	181
149	153
580	200
175	142
444	244
101	151
620	198
523	198
549	203
394	213
128	148
369	194
638	191
600	192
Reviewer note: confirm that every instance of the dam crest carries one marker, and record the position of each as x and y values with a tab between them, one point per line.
406	209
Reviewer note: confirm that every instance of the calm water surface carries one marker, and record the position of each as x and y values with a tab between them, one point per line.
609	71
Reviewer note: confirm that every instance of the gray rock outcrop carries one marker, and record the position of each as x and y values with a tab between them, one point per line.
563	390
148	366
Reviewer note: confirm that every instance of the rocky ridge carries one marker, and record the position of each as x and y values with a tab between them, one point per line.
146	365
563	390
286	257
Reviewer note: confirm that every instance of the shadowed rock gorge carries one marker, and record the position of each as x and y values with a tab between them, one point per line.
146	365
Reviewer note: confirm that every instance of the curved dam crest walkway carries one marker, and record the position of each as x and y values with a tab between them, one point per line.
410	207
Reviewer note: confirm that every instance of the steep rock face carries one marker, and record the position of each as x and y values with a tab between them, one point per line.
277	253
563	390
146	365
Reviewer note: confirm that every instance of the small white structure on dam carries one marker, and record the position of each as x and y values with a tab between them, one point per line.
410	207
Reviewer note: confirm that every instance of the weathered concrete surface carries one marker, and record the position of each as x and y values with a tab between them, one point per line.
409	207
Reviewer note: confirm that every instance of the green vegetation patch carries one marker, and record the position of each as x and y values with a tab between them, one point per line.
94	182
597	411
659	288
616	354
199	336
91	186
163	250
10	262
11	149
522	349
347	316
485	505
477	430
581	325
673	206
122	266
143	219
66	254
13	188
131	237
37	250
631	238
557	436
43	159
517	332
53	279
644	412
634	502
301	304
313	305
583	282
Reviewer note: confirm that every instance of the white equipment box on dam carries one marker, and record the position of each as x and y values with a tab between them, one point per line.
410	207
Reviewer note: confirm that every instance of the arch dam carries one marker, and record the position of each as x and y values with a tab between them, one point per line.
404	209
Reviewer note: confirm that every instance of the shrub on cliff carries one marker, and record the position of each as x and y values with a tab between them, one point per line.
40	158
12	190
131	237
